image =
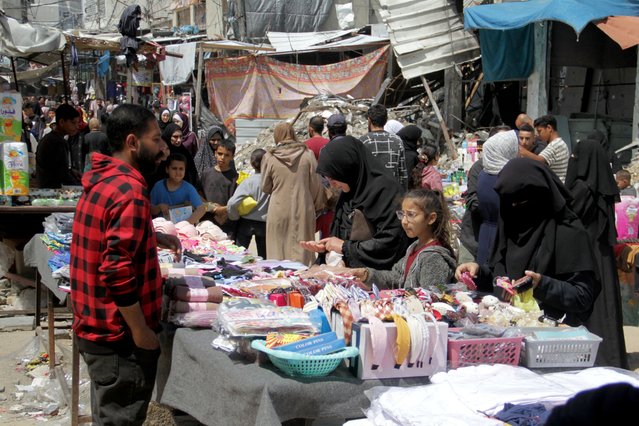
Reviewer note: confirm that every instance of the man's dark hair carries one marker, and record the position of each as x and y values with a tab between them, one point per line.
378	115
256	159
125	120
317	124
27	105
498	129
176	156
545	121
526	128
337	130
65	112
226	143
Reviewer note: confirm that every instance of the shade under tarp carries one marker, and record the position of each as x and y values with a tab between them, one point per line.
22	40
624	30
576	13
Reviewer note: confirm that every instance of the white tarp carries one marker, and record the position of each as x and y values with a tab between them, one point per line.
325	40
178	70
19	40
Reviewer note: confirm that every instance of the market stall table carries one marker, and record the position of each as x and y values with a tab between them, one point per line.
37	256
216	388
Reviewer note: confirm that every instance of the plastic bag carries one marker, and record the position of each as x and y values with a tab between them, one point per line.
525	301
7	256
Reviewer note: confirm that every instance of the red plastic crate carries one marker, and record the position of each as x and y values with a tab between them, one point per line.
498	350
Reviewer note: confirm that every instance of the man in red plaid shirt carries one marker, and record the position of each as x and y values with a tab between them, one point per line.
116	286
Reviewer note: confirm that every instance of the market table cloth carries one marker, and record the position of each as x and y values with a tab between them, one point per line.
218	389
36	255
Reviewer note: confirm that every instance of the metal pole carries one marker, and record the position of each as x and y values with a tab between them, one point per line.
15	74
65	79
198	86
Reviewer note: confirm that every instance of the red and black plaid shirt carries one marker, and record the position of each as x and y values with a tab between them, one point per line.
113	252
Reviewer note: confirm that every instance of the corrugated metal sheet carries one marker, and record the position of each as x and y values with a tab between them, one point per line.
427	35
326	40
246	130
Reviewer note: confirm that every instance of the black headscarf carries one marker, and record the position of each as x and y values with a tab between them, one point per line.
191	172
410	136
589	166
600	137
372	189
541	232
374	192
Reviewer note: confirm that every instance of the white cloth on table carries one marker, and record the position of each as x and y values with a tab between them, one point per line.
468	392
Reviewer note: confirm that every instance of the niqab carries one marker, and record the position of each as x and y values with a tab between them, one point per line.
589	165
537	230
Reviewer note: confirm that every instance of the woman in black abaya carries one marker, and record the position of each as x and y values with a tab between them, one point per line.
365	229
536	237
592	185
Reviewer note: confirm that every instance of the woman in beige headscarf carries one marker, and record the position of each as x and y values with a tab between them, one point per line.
288	174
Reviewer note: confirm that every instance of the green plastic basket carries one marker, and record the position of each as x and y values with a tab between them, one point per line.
295	364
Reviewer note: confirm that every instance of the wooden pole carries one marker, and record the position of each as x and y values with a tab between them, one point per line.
198	86
473	91
438	113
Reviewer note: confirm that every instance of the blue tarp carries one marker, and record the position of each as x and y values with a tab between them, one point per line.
507	55
576	13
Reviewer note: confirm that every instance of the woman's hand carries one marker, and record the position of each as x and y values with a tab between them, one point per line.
471	267
333	244
314	246
535	277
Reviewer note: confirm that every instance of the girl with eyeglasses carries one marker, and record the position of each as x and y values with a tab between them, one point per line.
429	261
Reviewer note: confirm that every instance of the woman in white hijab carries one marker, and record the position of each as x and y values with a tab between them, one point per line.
393	126
498	150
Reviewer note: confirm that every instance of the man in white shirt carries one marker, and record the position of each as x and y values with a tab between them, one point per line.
556	154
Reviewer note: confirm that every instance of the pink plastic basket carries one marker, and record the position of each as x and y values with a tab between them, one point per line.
499	350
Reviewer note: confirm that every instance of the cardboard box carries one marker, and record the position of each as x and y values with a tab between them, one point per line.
15	168
362	365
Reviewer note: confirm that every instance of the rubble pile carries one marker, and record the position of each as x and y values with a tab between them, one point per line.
353	109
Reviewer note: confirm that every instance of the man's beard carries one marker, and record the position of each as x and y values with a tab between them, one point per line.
147	162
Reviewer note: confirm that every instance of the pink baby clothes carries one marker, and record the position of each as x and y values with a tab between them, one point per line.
209	230
164	226
185	229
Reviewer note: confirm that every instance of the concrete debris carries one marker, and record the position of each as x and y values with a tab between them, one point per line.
325	105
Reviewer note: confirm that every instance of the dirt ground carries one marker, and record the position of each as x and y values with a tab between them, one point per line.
19	407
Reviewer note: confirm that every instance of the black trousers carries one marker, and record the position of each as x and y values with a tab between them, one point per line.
246	229
121	386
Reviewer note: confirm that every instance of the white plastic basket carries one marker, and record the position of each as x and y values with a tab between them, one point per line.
561	352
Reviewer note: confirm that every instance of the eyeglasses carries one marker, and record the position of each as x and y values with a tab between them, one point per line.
410	216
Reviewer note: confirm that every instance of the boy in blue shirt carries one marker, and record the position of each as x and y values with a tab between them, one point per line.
174	192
